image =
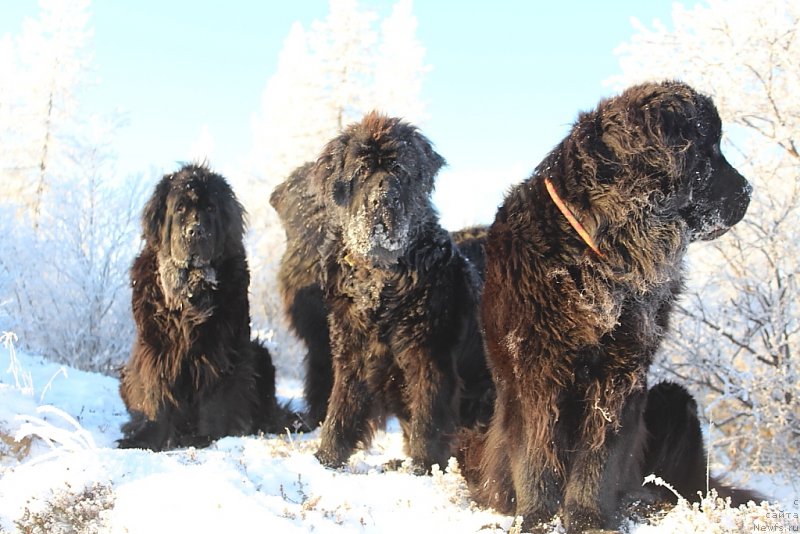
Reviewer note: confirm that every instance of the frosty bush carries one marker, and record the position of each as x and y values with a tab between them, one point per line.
737	334
69	511
66	290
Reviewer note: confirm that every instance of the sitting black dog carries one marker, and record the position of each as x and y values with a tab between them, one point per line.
584	262
194	374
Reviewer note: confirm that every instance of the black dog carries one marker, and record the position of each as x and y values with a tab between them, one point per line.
583	263
194	374
304	219
401	300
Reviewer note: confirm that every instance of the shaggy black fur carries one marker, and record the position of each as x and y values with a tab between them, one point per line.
471	242
303	216
570	335
675	450
194	374
400	297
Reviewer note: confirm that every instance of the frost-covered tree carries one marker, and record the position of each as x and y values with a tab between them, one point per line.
326	78
330	76
70	229
68	278
44	68
401	66
737	336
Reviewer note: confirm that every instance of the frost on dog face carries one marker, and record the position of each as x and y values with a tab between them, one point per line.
377	221
378	177
194	233
191	226
718	196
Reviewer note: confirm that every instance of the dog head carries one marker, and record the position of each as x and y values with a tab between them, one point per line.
650	158
193	218
376	179
713	195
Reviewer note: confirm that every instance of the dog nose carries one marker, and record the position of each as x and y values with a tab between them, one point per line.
393	197
195	230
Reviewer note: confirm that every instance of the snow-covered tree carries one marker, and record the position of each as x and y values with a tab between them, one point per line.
401	66
327	77
71	226
737	336
47	65
68	289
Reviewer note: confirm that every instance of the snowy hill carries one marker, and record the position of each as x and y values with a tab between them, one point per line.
63	474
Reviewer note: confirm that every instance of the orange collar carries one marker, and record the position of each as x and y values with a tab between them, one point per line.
571	217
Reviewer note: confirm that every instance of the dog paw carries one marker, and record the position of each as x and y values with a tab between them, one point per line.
329	459
579	519
135	443
536	524
395	464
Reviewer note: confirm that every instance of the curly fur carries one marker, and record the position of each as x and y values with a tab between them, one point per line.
194	374
570	335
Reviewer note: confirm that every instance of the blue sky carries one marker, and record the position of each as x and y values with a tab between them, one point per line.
507	78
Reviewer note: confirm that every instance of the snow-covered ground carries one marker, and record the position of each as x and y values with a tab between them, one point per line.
64	474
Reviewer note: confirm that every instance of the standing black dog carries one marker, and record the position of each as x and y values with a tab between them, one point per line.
583	263
401	299
304	218
194	374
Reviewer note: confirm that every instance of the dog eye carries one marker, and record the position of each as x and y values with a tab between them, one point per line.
181	207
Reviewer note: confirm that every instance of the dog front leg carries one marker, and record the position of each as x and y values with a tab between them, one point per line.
431	398
600	477
346	423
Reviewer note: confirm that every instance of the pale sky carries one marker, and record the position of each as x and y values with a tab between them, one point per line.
507	78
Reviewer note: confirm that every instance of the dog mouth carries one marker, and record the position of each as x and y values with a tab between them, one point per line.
716	223
710	234
387	246
713	215
384	256
381	242
193	253
191	260
197	261
707	227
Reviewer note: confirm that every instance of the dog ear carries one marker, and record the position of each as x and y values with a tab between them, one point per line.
155	211
278	199
674	112
234	218
329	165
655	127
431	161
232	213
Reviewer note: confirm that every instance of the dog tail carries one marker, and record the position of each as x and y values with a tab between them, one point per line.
484	465
738	496
675	450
